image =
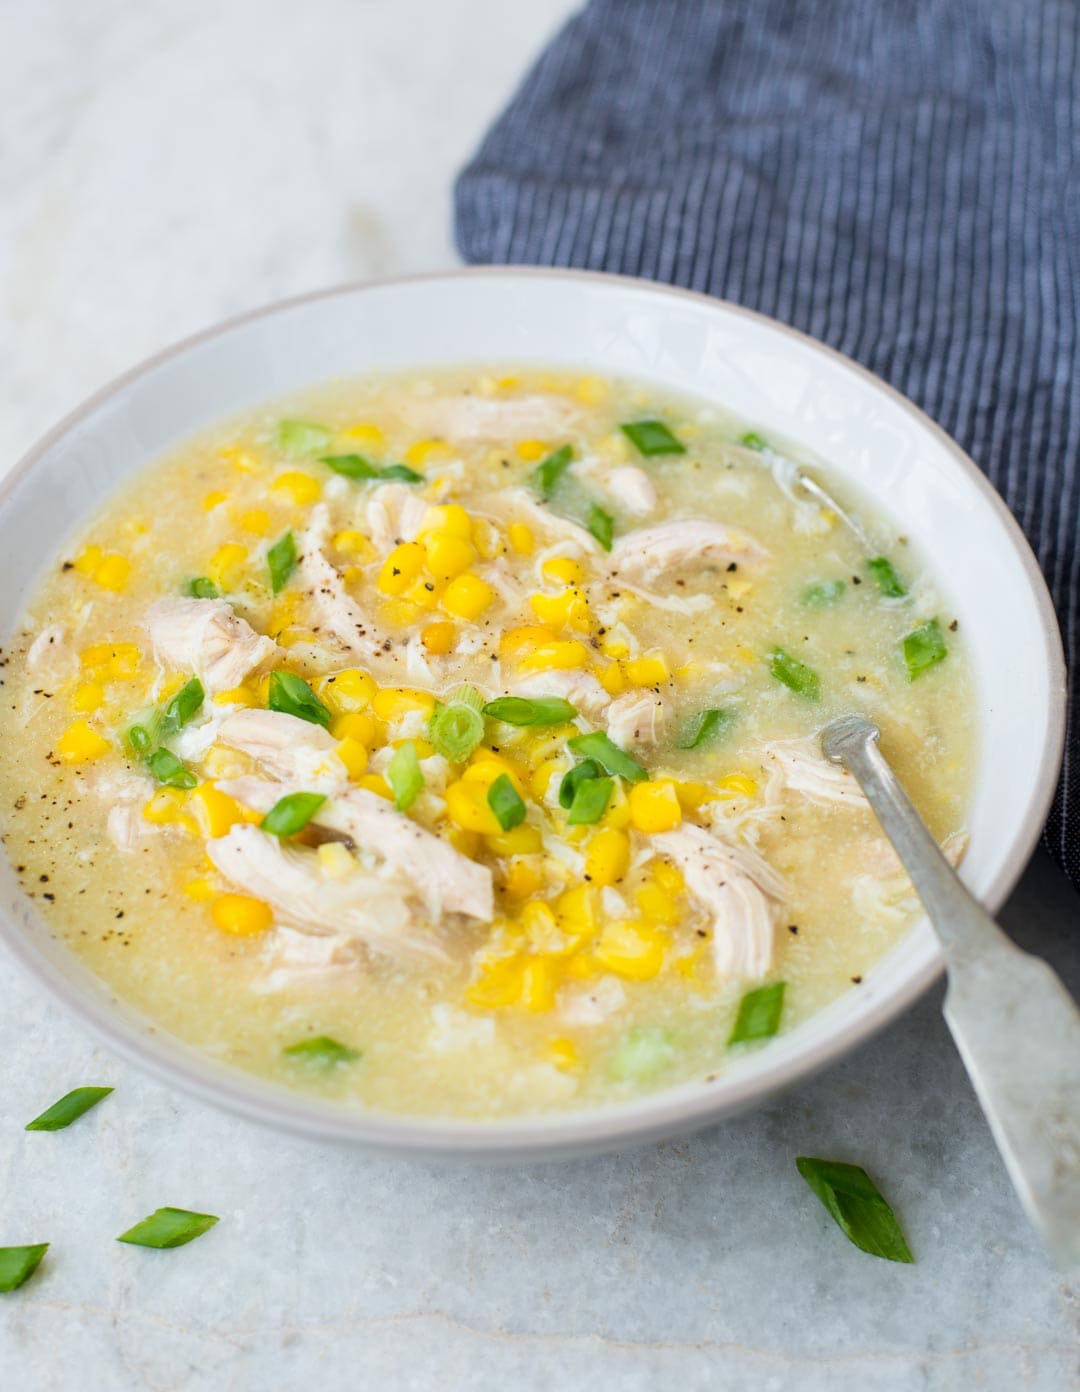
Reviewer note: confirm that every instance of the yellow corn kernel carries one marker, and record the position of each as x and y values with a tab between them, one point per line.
657	905
654	806
88	560
255	520
523	879
289	637
570	609
744	654
521	538
541	778
611	678
538	984
224	564
220	762
401	568
563	1053
301	487
487	539
424	748
485	766
617	812
354	756
355	725
236	696
350	542
336	860
376	783
438	638
424	594
241	915
87	698
669	877
538	923
349	690
400	613
200	890
739	784
520	840
515	641
239	458
508	384
608	856
365	434
614	647
467	807
216	812
592	391
113	573
563	570
738	589
631	950
448	555
213	500
108	661
576	909
557	656
648	670
467	596
393	702
468	843
582	966
424	450
497	984
451	518
693	796
167	805
532	450
80	742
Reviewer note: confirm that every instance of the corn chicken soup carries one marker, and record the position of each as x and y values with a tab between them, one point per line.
448	743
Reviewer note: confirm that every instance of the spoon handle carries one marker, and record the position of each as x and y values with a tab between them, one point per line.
1014	1023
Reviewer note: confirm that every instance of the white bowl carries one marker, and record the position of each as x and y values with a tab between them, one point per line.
761	370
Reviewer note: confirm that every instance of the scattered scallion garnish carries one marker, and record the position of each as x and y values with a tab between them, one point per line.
759	1013
168	1227
888	582
752	440
401	473
201	587
355	466
574	777
822	594
292	813
405	776
706	727
591	797
18	1264
549	471
281	561
291	695
302	437
641	1054
794	674
183	707
539	710
169	770
506	802
456	728
68	1109
924	648
857	1207
608	755
321	1052
601	524
651	437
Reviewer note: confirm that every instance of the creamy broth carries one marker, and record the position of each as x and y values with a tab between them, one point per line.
613	953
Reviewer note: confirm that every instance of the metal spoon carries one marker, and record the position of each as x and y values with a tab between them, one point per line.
1015	1024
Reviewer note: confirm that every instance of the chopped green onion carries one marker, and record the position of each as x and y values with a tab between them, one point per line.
924	648
601	524
404	775
168	1227
609	756
801	679
69	1108
400	473
302	437
824	593
541	710
888	582
281	560
706	727
183	707
456	728
506	802
292	813
759	1013
142	738
856	1205
651	437
549	471
18	1264
292	695
591	797
752	440
168	770
641	1054
574	777
201	587
321	1052
353	466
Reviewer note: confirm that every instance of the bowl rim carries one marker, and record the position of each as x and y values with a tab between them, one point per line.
676	1110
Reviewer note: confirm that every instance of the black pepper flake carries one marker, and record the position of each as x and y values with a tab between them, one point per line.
793	927
68	565
732	568
954	625
857	980
855	580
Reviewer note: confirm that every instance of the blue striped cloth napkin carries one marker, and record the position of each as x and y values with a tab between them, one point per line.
901	180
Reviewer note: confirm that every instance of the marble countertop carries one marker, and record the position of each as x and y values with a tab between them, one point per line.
165	165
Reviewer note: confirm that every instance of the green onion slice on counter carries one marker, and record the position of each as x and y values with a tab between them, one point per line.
18	1264
168	1227
856	1205
69	1108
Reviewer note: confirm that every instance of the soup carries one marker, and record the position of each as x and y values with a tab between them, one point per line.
447	743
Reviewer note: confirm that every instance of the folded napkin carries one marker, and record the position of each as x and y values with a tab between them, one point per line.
901	180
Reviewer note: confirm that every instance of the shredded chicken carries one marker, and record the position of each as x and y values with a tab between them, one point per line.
292	750
336	612
649	552
740	892
804	769
592	1004
294	958
519	504
464	418
625	485
580	688
204	636
639	717
394	514
46	648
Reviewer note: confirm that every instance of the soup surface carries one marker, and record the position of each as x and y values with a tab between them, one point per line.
447	743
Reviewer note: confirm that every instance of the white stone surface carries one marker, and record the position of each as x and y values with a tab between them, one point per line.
166	164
